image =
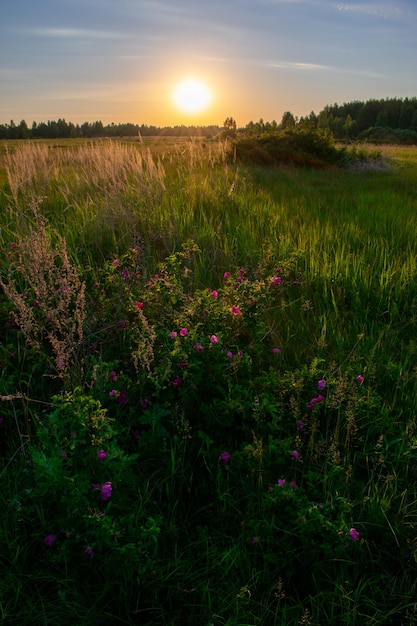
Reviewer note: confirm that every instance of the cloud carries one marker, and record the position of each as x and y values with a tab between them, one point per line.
72	33
376	10
315	67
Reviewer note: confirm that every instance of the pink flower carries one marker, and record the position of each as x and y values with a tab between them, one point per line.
281	482
214	294
236	311
177	381
113	376
89	552
359	379
197	346
102	455
184	332
106	490
293	484
214	339
295	455
276	280
115	263
321	384
229	354
226	275
49	540
276	350
139	305
354	535
122	397
173	334
225	457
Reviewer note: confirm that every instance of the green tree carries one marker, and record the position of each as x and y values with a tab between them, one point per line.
288	121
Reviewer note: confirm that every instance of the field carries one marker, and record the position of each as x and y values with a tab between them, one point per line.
209	388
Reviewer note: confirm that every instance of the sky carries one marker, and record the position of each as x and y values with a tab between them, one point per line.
121	60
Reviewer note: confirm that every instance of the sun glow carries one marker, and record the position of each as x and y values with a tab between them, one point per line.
192	96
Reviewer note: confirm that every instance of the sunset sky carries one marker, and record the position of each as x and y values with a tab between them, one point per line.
121	60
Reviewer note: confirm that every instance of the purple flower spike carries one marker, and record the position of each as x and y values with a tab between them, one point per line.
321	384
354	535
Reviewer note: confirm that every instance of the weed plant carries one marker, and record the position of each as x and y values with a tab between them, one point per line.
208	390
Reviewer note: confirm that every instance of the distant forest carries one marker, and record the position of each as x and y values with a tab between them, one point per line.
391	120
63	129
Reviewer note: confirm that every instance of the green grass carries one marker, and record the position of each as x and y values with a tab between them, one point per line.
186	538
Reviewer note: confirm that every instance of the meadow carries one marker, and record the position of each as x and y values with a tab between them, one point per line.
208	387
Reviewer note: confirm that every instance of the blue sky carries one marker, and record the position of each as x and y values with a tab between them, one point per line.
120	60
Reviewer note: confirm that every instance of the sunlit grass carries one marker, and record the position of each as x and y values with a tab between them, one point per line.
187	538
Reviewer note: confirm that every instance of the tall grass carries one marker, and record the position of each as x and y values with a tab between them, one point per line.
183	308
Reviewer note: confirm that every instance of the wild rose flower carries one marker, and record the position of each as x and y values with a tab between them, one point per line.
226	275
295	455
115	263
354	535
229	355
214	294
106	490
281	482
225	457
49	540
214	339
321	384
139	305
122	397
276	280
236	311
198	347
184	332
173	334
102	455
359	379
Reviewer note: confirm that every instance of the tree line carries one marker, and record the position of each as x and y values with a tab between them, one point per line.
61	129
390	119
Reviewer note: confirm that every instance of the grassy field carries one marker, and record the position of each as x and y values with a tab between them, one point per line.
208	387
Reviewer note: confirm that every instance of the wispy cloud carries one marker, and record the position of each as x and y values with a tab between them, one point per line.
71	33
373	9
316	67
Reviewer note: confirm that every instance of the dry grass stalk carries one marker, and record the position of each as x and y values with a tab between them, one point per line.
47	293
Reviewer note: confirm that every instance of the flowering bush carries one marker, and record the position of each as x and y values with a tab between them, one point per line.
185	430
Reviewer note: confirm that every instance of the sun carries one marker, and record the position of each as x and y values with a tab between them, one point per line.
192	96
